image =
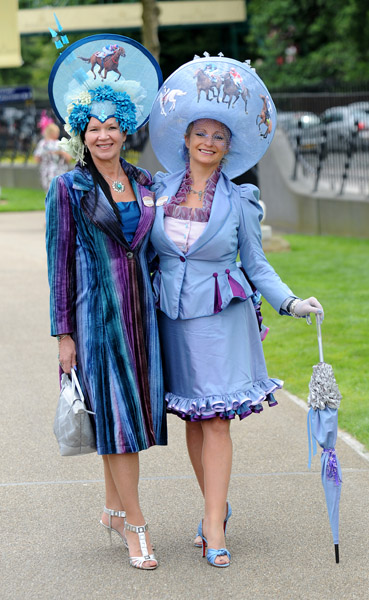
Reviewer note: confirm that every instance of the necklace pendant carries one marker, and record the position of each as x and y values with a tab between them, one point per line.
118	186
200	193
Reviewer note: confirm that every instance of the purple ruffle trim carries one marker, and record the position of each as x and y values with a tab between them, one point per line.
227	406
174	209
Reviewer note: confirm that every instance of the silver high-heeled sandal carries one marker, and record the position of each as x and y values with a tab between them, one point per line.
114	513
138	561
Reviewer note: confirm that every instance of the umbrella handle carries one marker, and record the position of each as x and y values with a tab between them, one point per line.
320	341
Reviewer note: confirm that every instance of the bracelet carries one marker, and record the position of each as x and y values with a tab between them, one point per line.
289	305
61	337
291	308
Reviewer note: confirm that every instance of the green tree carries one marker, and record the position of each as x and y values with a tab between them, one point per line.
310	41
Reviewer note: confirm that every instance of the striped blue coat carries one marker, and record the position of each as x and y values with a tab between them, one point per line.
100	292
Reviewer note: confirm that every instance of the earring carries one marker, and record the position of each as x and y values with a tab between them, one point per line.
124	146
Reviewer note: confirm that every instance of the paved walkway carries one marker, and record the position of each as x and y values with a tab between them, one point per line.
52	545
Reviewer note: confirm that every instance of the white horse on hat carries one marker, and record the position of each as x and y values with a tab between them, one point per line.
168	95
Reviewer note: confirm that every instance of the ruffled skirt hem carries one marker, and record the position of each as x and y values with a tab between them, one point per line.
227	406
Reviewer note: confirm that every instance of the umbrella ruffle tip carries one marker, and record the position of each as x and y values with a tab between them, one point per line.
323	388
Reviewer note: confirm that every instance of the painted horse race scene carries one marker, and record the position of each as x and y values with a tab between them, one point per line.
226	87
168	96
107	59
211	80
264	118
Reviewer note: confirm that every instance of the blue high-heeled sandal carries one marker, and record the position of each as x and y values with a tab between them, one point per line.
199	529
213	553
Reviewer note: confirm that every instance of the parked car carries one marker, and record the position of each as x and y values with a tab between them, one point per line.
303	130
343	124
291	120
360	107
336	126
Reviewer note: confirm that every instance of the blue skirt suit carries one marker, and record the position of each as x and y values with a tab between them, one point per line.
212	353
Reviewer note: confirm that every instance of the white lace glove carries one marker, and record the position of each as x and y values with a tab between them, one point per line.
303	308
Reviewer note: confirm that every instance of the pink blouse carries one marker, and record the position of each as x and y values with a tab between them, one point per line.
183	232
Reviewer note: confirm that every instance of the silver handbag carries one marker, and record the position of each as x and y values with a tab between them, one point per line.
72	425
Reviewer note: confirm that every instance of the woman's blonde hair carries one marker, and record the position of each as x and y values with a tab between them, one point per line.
51	129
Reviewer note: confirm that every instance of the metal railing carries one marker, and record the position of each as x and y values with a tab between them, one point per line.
339	170
339	164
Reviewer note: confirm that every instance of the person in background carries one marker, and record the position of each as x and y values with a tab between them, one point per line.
52	160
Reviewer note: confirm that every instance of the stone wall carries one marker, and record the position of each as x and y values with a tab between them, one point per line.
292	208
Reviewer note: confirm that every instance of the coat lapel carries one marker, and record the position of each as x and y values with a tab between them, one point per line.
105	218
146	202
219	212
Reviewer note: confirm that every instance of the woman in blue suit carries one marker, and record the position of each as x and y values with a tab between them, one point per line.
214	367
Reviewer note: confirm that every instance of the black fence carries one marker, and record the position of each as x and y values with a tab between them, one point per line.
329	134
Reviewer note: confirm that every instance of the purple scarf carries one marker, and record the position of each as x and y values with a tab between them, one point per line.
201	215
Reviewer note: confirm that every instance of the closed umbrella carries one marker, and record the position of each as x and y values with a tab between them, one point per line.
324	399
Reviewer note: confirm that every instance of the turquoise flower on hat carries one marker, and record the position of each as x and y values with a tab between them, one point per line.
125	113
125	109
104	92
79	117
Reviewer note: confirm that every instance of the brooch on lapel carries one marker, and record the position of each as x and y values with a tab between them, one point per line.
162	200
148	201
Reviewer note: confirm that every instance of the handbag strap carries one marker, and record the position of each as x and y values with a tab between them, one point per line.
75	384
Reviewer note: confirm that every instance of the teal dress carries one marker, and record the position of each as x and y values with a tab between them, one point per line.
130	214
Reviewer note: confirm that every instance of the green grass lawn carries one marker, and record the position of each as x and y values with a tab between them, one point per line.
336	271
19	199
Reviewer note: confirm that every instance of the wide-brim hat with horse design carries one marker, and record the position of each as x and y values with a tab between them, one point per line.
220	88
103	76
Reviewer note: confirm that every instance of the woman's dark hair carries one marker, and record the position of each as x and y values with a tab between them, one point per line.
98	179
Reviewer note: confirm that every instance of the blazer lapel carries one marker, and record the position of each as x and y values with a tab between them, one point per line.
219	212
168	188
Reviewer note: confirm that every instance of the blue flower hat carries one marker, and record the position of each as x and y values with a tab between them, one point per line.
220	88
103	76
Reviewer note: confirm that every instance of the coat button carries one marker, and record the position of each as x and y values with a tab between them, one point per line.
129	254
182	258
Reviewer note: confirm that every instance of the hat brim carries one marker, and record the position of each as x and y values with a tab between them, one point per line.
237	98
74	72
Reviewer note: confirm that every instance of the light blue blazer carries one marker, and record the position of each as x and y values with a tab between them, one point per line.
207	278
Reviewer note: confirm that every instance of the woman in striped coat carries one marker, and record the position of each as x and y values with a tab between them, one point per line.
102	310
